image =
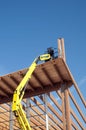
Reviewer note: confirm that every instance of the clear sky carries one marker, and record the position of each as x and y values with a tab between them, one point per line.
28	27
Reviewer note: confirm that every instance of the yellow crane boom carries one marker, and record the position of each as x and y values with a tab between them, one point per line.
19	93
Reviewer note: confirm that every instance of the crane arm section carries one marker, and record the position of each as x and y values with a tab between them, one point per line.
19	93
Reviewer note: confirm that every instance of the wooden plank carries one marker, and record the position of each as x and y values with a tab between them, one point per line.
77	106
76	118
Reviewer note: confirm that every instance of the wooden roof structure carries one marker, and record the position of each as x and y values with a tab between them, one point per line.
47	77
53	78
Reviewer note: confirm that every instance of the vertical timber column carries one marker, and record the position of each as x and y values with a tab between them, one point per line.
59	48
11	118
64	91
63	49
67	110
63	108
28	109
46	111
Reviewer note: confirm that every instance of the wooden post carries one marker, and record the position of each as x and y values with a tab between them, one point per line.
67	110
63	49
59	48
64	91
63	109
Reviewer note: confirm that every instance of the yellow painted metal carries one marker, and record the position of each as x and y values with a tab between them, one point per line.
21	118
19	93
45	57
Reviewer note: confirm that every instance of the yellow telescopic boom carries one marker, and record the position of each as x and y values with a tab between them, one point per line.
19	93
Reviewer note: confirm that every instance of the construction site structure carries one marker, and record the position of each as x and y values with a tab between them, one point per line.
49	102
